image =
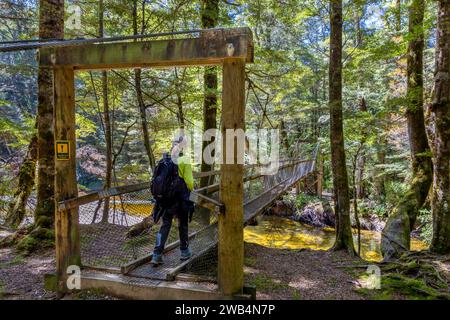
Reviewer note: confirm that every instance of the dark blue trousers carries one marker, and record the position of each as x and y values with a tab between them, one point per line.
167	218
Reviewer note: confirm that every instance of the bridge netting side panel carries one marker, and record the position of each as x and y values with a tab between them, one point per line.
105	224
259	192
104	231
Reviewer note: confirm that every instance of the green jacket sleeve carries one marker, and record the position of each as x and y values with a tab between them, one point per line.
185	172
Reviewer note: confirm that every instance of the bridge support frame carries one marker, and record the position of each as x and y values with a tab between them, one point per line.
231	48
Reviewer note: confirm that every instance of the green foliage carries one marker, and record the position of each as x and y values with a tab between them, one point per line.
371	207
288	81
300	200
395	191
249	261
425	219
17	260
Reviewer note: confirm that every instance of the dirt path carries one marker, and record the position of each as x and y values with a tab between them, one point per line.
23	277
299	274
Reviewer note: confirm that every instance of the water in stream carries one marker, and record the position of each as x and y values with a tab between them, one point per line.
283	233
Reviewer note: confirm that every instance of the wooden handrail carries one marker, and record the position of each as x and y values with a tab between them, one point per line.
115	191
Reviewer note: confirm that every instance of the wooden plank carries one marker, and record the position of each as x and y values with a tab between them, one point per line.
173	273
206	202
95	196
209	49
78	201
194	278
130	266
66	221
231	236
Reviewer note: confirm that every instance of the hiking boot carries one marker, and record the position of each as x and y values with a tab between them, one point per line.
156	259
185	254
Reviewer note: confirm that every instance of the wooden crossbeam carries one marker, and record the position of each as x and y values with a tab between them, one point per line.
95	196
210	48
207	202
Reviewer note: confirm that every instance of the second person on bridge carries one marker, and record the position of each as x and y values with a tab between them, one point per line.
171	185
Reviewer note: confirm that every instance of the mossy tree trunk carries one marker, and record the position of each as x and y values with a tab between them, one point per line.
396	235
51	25
17	208
440	109
344	239
209	19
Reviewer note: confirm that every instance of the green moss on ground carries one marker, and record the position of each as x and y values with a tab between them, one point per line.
39	238
415	276
17	260
398	286
249	261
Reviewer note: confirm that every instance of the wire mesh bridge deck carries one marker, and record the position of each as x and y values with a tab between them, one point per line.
106	217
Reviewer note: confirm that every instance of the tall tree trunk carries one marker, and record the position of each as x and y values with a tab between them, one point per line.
440	109
398	15
17	208
51	25
344	239
179	100
106	118
361	161
284	137
209	18
140	99
396	234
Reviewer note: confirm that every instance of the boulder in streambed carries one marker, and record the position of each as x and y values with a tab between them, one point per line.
318	214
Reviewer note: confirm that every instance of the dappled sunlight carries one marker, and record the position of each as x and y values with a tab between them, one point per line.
302	283
282	233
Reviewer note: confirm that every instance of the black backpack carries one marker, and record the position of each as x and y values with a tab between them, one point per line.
165	181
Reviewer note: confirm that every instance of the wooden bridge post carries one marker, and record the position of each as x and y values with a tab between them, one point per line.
231	234
66	221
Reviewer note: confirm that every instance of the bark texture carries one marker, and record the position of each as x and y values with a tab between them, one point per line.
396	235
51	25
361	161
209	19
440	109
344	240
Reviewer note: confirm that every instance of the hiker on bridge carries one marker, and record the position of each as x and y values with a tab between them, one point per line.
171	185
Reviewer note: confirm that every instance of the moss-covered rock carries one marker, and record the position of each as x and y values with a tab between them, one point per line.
38	238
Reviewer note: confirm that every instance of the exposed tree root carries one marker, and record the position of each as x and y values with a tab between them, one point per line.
415	275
